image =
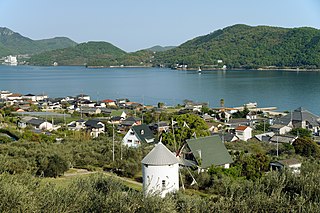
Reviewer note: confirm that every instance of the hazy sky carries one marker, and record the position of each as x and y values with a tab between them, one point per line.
137	24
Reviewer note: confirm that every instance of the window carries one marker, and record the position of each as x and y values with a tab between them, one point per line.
142	132
129	141
163	184
131	133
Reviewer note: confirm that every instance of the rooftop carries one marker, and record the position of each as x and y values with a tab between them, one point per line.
160	155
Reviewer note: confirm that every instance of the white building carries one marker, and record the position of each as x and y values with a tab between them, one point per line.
40	124
280	129
244	132
4	94
11	60
160	171
138	134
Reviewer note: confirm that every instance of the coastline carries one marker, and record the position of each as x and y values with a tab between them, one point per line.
291	69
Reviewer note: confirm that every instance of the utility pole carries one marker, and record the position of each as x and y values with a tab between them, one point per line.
112	142
277	146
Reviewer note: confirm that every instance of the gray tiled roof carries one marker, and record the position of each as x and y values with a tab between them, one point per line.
283	139
35	122
160	155
299	114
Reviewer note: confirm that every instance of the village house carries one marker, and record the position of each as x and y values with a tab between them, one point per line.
29	96
283	139
265	137
36	123
128	122
14	96
301	118
228	137
252	115
117	119
292	164
244	132
121	102
77	125
83	97
4	94
280	129
22	122
86	103
206	151
95	127
109	103
100	104
89	110
137	135
159	127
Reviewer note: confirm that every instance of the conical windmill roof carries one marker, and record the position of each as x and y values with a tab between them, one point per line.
160	155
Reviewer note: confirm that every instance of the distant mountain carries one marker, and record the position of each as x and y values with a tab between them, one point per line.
237	46
242	46
90	53
14	43
159	48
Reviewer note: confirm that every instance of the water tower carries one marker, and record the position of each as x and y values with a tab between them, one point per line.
160	171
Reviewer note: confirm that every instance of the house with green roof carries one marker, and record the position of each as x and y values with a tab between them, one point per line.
206	151
137	135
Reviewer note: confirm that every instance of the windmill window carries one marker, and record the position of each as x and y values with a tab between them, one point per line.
163	183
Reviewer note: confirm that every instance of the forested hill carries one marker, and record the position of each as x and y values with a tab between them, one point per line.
15	44
242	46
92	53
237	46
159	48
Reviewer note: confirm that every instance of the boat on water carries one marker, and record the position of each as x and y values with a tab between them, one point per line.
199	70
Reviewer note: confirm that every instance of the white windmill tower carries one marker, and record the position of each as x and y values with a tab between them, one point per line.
160	171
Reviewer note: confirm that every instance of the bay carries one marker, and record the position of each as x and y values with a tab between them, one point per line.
286	90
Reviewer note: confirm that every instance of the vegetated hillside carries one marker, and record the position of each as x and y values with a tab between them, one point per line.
90	53
14	43
93	54
159	48
242	46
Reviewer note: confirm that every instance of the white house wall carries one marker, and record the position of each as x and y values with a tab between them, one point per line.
130	136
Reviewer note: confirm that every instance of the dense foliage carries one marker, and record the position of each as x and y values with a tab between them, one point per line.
40	156
238	46
275	192
81	54
185	126
242	46
14	43
304	146
92	54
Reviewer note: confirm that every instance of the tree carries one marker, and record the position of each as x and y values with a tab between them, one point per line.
301	132
221	102
187	126
52	166
161	104
306	147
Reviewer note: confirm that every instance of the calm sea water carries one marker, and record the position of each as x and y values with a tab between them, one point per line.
283	89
